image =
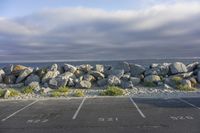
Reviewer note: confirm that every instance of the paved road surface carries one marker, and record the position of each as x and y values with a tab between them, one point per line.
101	115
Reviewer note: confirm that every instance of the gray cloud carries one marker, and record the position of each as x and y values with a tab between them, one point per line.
82	34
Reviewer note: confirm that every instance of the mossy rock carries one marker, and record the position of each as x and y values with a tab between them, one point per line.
185	88
149	84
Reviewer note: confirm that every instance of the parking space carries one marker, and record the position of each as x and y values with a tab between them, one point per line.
8	107
101	115
174	114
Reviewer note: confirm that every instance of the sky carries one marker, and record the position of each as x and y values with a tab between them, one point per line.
41	30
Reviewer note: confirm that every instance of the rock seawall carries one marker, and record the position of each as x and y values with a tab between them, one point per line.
125	75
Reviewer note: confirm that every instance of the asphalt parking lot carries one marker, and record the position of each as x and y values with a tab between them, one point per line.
101	115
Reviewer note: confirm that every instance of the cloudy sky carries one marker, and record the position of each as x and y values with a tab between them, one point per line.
32	30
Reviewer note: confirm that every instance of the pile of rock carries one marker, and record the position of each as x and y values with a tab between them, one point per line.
125	75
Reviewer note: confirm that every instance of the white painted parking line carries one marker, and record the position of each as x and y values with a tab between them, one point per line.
138	109
79	108
11	115
189	103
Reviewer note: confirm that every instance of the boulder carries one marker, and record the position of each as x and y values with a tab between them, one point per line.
186	82
53	67
35	86
177	68
6	94
136	70
89	77
85	68
198	76
32	78
8	69
193	81
135	80
113	80
84	84
152	71
99	68
69	68
67	75
18	69
152	78
192	66
49	75
19	85
123	65
126	84
41	72
24	74
117	72
2	74
97	74
126	76
102	82
9	79
71	82
57	82
78	73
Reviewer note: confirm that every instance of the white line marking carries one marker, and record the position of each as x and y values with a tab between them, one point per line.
18	111
79	108
138	109
189	103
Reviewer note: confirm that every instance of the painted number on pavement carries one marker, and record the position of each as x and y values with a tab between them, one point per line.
181	118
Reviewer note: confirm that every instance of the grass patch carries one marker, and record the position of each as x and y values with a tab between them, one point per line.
112	91
79	93
149	84
13	93
28	90
185	88
176	80
62	91
2	92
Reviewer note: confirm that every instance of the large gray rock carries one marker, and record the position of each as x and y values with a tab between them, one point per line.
126	84
20	85
49	75
71	82
85	68
117	72
97	74
2	74
32	78
113	80
18	69
192	66
102	82
84	84
24	74
89	77
178	67
69	68
123	65
159	69
9	79
57	82
99	68
53	67
136	70
126	76
152	78
41	72
198	76
8	69
135	80
36	86
67	75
